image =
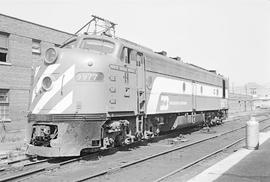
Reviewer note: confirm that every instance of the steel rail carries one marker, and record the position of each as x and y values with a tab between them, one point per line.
45	168
203	158
37	170
104	172
24	165
4	164
17	161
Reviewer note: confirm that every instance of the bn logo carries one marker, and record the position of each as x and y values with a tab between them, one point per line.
164	103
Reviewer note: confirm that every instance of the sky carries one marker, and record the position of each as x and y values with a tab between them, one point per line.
230	36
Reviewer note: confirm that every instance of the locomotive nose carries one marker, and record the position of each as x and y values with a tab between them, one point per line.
70	81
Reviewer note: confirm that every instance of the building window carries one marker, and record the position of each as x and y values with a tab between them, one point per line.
36	48
201	89
3	46
4	104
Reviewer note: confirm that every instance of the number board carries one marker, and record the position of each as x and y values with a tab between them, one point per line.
89	76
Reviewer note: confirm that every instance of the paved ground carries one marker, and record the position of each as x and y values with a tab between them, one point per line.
242	166
12	142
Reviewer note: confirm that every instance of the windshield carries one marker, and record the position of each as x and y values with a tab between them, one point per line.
70	44
97	45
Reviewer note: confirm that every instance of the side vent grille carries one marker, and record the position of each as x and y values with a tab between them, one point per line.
66	117
95	142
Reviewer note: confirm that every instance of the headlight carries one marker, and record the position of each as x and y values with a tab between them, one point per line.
47	83
50	55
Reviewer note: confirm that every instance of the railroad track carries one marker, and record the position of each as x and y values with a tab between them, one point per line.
127	165
47	167
199	160
203	158
49	164
16	163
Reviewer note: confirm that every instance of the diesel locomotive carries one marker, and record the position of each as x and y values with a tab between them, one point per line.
98	91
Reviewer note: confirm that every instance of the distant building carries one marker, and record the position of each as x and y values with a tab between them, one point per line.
262	102
240	103
253	89
22	44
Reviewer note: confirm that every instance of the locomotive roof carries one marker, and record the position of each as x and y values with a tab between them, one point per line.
150	53
154	54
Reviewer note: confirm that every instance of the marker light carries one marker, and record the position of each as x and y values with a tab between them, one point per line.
50	55
47	83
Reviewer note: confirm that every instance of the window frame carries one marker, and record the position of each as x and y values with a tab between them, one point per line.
4	105
4	49
81	44
128	59
36	46
125	55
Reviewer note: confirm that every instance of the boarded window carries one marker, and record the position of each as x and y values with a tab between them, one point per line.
3	46
4	104
36	48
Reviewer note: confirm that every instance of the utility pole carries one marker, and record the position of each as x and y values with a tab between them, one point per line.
246	98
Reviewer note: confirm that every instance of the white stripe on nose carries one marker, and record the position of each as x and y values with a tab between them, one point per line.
68	75
49	70
63	104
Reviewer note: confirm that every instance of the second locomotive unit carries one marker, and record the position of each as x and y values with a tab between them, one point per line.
99	91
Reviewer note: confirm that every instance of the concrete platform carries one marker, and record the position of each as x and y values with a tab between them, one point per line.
242	166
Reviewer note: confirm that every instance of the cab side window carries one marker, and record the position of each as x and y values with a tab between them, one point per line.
130	56
125	55
133	55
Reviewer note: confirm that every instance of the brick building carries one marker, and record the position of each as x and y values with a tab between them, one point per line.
240	103
22	45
